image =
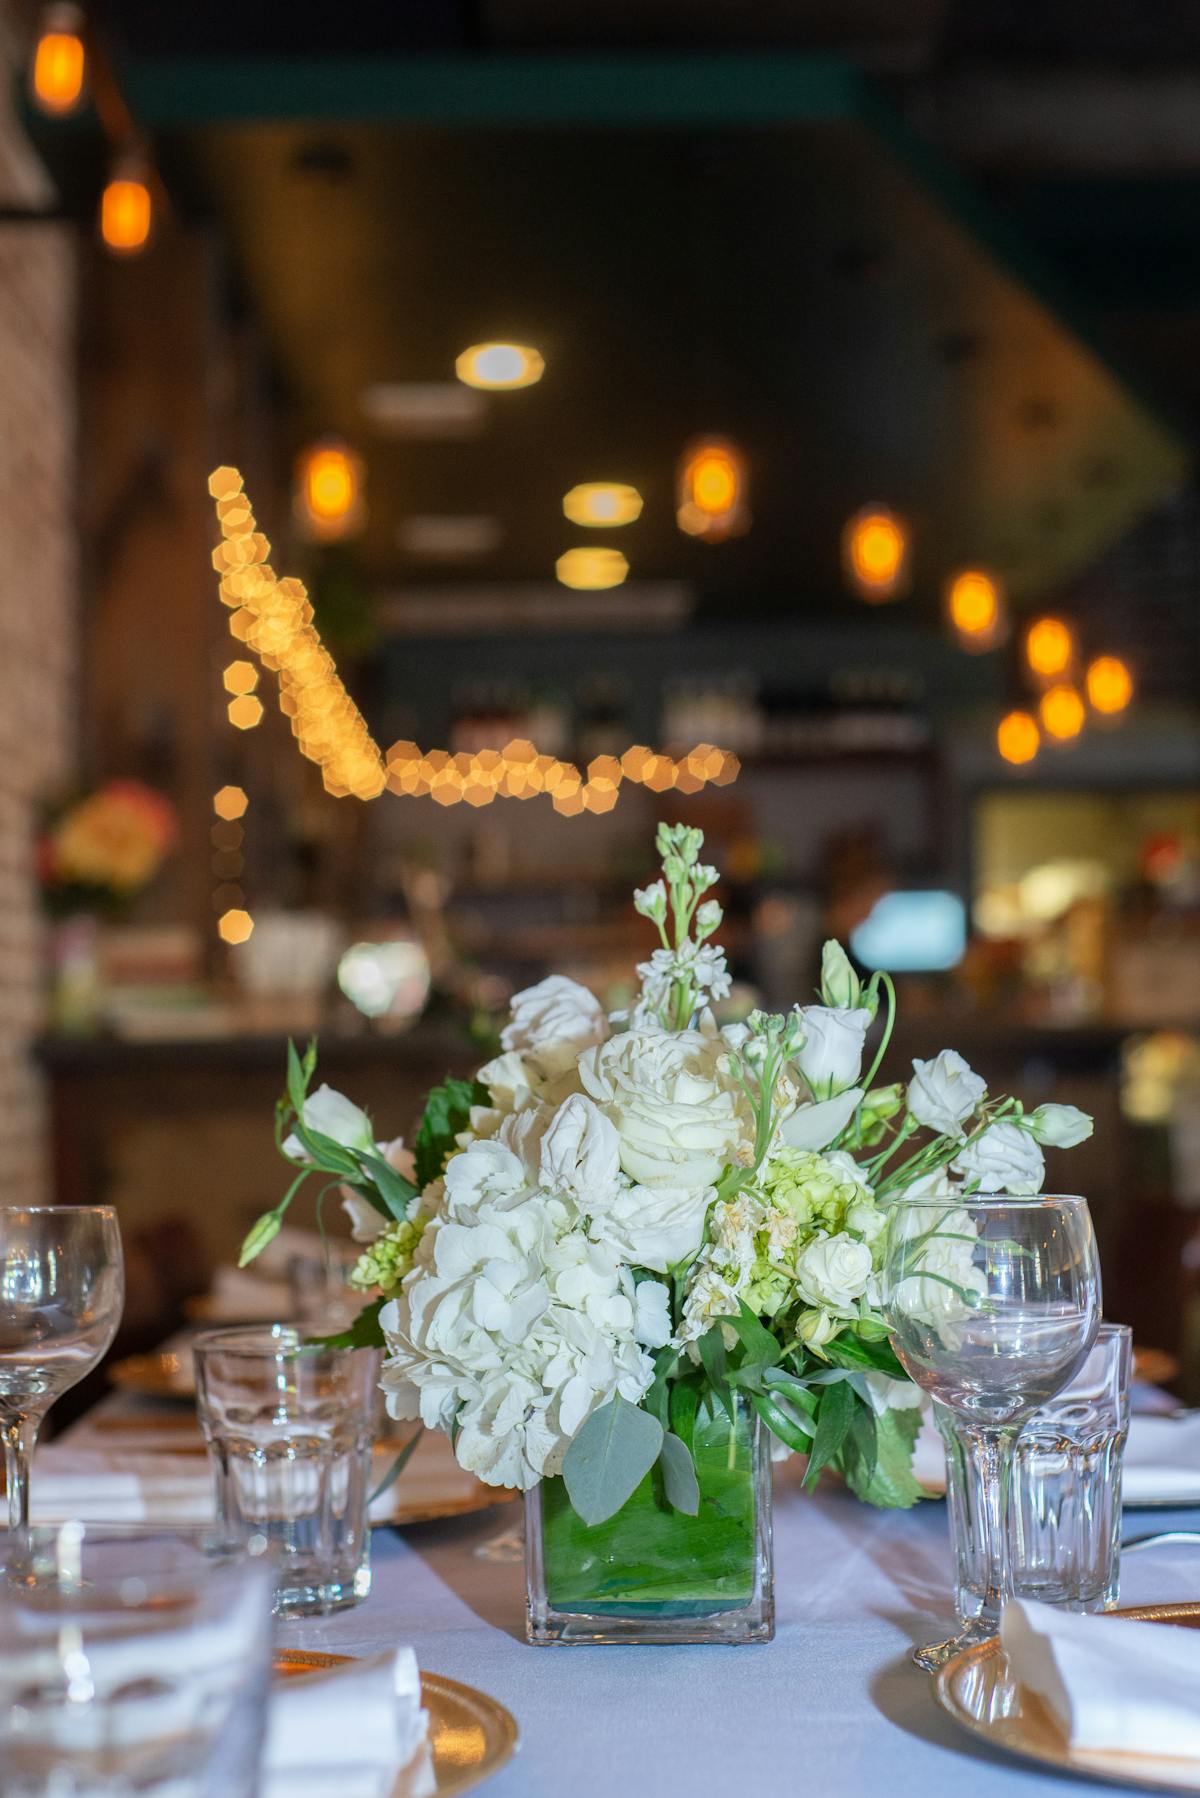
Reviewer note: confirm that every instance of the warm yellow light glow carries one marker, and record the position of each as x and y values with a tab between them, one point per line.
973	603
499	366
1109	685
1061	712
1049	647
711	498
240	677
246	712
125	213
591	568
230	802
59	61
602	503
875	554
1018	738
329	498
234	926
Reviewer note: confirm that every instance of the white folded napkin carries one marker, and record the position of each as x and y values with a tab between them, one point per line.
1162	1460
1112	1684
348	1732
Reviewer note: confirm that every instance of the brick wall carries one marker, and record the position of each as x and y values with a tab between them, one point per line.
38	648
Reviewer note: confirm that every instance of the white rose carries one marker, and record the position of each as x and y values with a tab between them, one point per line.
522	1132
552	1022
580	1153
816	1126
943	1092
816	1327
1059	1126
507	1080
654	1226
331	1114
831	1055
1004	1159
678	1118
833	1271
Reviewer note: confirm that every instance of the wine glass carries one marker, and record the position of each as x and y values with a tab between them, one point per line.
62	1287
992	1304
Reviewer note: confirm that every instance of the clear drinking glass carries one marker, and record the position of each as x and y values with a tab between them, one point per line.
992	1304
322	1298
132	1661
62	1290
289	1426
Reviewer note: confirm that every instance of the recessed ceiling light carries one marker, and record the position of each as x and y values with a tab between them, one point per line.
499	366
602	503
424	408
449	536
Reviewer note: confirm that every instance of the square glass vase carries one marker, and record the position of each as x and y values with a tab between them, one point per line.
653	1574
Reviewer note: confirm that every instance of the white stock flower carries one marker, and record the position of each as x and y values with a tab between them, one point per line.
1004	1159
1059	1126
816	1126
654	1226
832	1272
553	1022
830	1057
678	1118
943	1092
331	1114
651	901
580	1154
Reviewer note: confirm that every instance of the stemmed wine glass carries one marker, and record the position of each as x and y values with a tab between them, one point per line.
62	1288
992	1304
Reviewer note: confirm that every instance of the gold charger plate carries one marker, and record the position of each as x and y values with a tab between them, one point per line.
471	1736
978	1690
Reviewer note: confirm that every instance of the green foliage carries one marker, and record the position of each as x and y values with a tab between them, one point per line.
884	1475
679	1475
401	1461
610	1457
835	1414
364	1332
447	1112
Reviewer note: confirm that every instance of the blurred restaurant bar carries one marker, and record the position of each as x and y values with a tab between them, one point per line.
781	421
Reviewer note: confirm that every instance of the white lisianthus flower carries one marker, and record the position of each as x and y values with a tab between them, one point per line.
1004	1159
945	1286
887	1394
830	1058
331	1114
678	1117
1059	1126
654	1226
943	1092
816	1126
940	1184
832	1272
580	1154
840	985
553	1022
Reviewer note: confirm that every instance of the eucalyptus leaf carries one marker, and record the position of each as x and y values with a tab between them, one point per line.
609	1458
679	1475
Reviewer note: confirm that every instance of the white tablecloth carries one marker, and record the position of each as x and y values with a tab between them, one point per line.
833	1708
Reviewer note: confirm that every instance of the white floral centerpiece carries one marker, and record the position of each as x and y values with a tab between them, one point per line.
628	1231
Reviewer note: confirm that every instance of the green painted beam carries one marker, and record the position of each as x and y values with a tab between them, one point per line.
489	91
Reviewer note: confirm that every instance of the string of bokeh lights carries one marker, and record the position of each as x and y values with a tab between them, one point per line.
272	617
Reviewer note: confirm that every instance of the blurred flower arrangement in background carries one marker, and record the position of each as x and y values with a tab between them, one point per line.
99	852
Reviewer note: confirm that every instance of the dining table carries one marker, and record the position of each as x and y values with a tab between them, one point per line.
833	1707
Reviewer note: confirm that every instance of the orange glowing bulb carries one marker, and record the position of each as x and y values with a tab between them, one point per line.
1049	646
1109	685
59	62
973	603
1018	738
125	214
875	553
1062	712
329	495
